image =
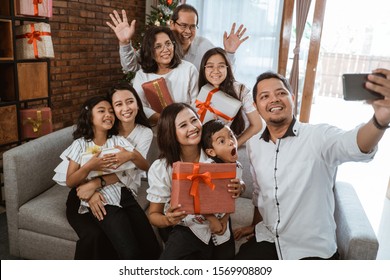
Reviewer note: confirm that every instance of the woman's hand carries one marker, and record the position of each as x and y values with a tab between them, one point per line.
114	160
85	191
236	187
123	31
241	232
96	204
174	217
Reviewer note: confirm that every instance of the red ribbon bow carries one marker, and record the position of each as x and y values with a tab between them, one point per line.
195	178
33	36
36	9
205	106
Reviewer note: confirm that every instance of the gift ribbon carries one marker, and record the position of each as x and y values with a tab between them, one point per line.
205	106
206	177
36	124
160	94
35	3
32	37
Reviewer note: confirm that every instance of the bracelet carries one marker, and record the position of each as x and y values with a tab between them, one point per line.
378	125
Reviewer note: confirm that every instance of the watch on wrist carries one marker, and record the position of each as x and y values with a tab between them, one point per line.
102	182
378	125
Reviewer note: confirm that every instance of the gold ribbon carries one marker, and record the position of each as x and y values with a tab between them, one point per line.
36	124
160	94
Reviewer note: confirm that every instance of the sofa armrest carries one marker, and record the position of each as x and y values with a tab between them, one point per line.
28	172
356	240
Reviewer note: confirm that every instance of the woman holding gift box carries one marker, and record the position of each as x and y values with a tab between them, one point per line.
160	58
178	136
216	70
108	220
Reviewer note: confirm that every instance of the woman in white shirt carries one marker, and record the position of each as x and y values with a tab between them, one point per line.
160	57
94	243
178	136
216	70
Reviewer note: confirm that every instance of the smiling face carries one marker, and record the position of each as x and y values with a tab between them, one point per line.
163	50
103	116
216	70
125	106
188	128
185	28
224	145
274	102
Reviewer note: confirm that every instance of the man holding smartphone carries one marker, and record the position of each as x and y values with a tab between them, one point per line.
294	167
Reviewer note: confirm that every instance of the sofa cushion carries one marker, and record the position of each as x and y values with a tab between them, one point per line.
46	214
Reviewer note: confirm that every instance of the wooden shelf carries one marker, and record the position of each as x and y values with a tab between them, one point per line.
6	42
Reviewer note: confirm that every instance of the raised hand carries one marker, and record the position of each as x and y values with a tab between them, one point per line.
234	40
123	31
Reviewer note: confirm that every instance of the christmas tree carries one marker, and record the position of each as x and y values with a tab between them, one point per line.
160	15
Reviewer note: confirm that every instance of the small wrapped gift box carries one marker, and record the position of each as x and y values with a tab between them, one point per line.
37	8
34	41
85	157
157	94
36	122
213	103
201	188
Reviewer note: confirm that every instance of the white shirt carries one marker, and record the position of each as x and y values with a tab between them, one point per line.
182	83
129	57
159	191
293	187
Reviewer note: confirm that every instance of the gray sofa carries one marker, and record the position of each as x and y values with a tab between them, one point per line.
35	205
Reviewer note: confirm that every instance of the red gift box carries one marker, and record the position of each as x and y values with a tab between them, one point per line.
36	122
41	8
157	94
201	188
34	41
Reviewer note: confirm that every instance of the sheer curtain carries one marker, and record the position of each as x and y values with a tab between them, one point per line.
262	18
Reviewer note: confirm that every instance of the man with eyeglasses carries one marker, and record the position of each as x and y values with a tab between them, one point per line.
184	22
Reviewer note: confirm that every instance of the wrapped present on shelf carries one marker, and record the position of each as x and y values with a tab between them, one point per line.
34	41
201	188
85	157
37	8
36	122
157	94
213	103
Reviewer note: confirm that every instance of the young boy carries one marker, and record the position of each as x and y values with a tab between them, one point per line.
220	144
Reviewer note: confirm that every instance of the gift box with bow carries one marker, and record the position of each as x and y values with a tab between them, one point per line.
38	8
157	94
36	122
213	103
34	41
202	188
86	156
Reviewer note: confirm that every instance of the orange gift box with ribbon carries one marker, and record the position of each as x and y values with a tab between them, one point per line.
213	103
37	8
157	94
36	122
201	188
34	41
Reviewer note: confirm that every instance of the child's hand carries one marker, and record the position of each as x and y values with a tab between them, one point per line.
96	163
235	187
216	227
115	160
224	222
96	204
247	232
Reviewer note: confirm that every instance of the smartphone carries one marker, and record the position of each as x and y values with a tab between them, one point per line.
354	87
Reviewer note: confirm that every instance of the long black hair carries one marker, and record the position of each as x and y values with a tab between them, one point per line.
227	86
140	118
84	126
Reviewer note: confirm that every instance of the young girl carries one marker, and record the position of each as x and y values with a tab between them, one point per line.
107	202
178	134
216	70
220	144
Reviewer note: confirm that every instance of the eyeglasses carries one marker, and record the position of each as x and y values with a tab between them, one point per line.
160	48
184	26
220	68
